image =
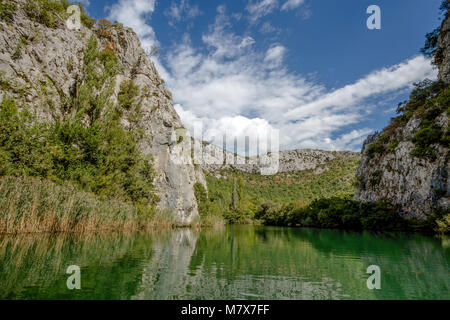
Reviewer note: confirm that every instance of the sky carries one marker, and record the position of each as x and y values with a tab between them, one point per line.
309	69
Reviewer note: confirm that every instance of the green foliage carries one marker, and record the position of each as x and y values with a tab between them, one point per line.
47	12
428	101
7	10
17	54
86	21
104	28
129	106
443	224
345	213
128	94
210	215
52	12
87	145
431	48
342	213
445	6
202	199
239	194
429	133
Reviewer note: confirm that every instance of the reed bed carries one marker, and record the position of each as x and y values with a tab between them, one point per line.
34	205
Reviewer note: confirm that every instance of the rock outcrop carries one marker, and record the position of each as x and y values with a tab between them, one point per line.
213	158
41	65
417	185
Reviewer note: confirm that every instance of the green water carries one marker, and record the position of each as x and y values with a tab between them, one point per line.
236	262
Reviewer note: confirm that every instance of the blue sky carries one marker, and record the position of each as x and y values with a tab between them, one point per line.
309	68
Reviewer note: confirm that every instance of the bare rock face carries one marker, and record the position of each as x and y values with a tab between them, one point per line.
42	70
416	186
215	158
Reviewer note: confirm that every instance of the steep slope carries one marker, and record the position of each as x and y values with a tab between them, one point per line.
43	66
407	163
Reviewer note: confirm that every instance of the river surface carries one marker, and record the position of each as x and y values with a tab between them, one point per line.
235	262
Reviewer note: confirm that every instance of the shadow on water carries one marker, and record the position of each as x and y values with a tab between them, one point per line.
236	262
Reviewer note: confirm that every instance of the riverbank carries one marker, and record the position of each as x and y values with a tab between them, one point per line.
34	205
345	213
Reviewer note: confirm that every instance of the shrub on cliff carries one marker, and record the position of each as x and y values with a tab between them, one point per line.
87	145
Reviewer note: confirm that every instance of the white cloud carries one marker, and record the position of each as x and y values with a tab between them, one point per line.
378	82
291	4
229	85
261	8
267	27
181	11
274	56
234	127
247	41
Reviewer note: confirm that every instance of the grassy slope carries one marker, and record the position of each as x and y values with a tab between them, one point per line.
302	186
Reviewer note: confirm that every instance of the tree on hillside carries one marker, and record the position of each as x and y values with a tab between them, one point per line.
431	48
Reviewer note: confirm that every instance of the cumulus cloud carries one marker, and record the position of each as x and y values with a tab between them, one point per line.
228	85
233	86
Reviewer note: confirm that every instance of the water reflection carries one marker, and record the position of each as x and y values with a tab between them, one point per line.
237	262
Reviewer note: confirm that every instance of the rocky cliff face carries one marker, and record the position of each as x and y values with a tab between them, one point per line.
214	158
407	163
40	63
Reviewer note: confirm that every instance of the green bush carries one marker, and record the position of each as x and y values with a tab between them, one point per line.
7	10
86	21
338	213
429	133
202	199
128	94
428	101
88	145
47	12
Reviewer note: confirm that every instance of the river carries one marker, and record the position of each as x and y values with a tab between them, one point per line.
234	262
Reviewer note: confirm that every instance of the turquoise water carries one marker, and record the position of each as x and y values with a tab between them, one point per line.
235	262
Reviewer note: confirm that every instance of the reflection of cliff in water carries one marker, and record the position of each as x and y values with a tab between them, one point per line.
236	262
165	274
283	263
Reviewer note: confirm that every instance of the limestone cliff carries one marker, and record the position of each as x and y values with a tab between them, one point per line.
407	163
213	158
41	61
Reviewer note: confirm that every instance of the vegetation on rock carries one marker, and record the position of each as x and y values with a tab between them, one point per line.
88	145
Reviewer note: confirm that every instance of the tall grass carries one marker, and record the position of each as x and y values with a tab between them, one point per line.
31	205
